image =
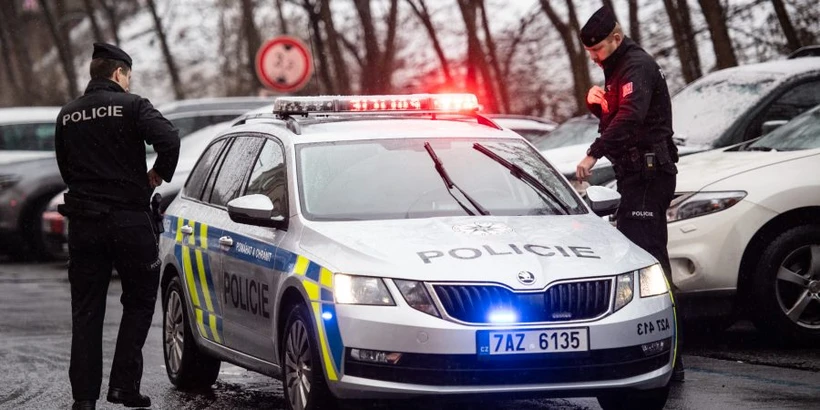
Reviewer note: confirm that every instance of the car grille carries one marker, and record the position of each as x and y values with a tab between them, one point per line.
561	302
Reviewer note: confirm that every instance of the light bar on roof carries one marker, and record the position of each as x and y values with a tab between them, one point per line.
419	103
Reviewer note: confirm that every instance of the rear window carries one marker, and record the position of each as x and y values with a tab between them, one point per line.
27	137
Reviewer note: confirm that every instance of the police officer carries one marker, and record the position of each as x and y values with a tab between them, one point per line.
635	114
100	145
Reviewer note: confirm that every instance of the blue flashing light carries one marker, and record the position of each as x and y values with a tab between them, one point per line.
503	316
327	315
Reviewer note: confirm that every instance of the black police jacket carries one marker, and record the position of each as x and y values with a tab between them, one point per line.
639	107
100	145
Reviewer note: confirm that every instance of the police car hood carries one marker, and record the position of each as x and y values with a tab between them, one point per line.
481	249
697	172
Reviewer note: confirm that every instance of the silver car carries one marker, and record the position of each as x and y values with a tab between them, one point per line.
405	246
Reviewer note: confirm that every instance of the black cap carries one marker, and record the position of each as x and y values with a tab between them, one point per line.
111	52
598	27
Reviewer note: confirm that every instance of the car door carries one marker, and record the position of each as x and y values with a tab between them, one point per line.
248	266
191	225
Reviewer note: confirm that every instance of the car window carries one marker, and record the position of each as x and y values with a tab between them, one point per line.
269	177
801	133
794	102
233	171
396	179
27	137
195	183
569	133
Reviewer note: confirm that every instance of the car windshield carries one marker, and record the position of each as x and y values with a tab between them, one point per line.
27	137
397	179
801	133
705	109
572	132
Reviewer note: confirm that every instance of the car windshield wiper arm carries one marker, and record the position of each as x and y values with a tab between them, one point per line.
524	176
759	148
448	182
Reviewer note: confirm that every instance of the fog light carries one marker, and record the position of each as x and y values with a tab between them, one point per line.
375	356
651	349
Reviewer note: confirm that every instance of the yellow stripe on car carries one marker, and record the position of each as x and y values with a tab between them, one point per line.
189	275
326	278
214	329
301	265
329	368
200	323
203	235
203	281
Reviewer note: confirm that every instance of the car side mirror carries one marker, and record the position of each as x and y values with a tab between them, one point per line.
603	201
256	210
770	126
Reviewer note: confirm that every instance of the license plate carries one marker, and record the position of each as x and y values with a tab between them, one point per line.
498	342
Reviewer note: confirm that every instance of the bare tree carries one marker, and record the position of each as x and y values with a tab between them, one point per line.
95	26
179	93
252	42
681	22
716	20
63	44
476	60
608	3
569	32
501	82
378	67
280	13
517	38
792	40
19	45
339	65
421	11
634	22
110	9
323	68
8	66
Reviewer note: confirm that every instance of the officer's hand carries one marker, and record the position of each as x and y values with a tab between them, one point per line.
596	95
154	179
584	169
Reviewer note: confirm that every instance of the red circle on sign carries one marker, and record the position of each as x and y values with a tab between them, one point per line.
283	64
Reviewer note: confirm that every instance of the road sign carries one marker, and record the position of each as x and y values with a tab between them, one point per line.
284	64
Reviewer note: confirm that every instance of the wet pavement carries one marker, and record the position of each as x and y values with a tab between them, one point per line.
736	369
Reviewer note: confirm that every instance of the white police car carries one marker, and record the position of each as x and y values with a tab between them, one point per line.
400	246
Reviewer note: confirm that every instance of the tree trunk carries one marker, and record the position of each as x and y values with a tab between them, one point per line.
252	43
166	52
500	80
18	42
608	3
113	20
5	50
634	22
283	22
716	20
370	75
792	40
323	67
63	45
423	14
576	54
339	65
389	55
95	27
476	57
680	21
523	25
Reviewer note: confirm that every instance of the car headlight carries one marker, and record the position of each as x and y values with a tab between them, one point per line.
361	290
8	180
415	294
624	288
653	281
701	203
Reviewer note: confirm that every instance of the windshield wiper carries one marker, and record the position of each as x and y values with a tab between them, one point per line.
522	175
759	148
448	182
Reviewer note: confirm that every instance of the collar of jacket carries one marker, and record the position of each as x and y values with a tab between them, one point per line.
103	84
612	61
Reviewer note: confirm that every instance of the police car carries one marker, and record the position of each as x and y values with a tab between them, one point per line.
405	246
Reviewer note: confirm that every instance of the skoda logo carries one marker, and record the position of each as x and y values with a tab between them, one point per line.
526	277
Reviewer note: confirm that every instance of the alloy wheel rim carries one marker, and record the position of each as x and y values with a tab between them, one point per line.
797	286
298	366
174	335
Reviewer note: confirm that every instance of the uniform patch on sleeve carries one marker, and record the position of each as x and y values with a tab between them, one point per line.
626	89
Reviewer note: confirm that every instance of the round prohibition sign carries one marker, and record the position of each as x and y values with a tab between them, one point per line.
283	64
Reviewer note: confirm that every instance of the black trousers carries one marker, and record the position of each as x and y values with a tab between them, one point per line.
642	214
127	241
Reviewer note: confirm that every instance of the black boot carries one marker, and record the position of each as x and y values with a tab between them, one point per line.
128	398
84	405
678	372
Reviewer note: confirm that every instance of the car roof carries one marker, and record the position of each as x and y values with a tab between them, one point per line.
368	127
239	105
782	67
524	123
18	115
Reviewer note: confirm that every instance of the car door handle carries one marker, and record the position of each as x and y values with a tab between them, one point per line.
226	241
187	230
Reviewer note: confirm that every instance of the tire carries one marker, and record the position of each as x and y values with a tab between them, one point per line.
653	399
188	368
787	280
302	366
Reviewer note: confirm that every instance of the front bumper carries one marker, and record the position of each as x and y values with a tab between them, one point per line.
440	357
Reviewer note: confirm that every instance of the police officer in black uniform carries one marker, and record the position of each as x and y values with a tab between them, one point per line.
100	145
635	114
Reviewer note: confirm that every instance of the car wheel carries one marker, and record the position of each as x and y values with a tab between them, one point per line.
186	365
304	379
787	285
635	399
